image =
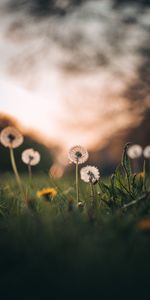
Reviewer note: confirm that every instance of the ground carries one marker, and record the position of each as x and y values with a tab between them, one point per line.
55	250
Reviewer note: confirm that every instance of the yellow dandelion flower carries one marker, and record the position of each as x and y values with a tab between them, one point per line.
47	193
140	175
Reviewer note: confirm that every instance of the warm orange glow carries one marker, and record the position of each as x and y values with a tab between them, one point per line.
67	78
81	113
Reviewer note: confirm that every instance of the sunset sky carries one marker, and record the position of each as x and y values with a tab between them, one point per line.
75	71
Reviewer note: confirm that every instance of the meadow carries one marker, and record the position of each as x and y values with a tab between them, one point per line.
70	239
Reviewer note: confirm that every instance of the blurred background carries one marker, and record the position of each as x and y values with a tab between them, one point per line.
75	72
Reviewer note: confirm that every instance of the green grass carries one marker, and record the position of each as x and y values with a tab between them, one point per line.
55	250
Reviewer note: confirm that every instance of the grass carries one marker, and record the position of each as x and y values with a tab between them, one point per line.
57	250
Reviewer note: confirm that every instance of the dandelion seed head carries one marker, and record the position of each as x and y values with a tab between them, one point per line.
146	152
134	151
11	137
77	154
90	174
30	157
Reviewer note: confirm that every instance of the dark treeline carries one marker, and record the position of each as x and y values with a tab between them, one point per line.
62	7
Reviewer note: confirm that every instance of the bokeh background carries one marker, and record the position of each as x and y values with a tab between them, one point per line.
75	72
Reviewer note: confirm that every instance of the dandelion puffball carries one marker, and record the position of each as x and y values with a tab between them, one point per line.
78	154
30	157
11	137
90	174
146	152
134	151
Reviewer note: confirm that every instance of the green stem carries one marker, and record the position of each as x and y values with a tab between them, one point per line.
92	194
77	181
13	162
14	166
30	172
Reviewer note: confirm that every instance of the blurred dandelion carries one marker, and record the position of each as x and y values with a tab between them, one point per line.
146	152
56	171
134	151
47	193
31	158
10	137
78	155
91	175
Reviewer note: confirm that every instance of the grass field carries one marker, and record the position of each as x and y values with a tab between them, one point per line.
56	249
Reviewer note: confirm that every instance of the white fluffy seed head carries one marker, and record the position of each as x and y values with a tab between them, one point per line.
90	174
78	154
11	137
30	157
134	151
146	151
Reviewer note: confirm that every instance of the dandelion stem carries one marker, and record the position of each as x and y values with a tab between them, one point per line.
14	166
13	162
30	172
92	194
77	181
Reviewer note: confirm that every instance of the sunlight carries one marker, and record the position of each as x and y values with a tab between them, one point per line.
32	111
